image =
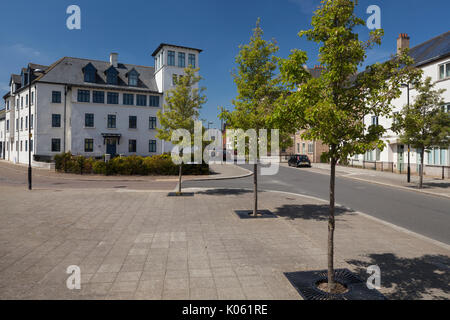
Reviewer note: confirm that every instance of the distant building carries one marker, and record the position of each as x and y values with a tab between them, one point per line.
91	107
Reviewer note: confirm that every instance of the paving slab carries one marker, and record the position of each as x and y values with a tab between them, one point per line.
223	257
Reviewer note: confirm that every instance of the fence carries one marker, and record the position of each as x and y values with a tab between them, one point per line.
401	168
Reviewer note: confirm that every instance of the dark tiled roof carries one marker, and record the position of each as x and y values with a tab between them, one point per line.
173	45
70	71
432	49
16	78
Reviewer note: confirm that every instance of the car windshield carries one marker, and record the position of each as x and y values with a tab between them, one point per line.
303	158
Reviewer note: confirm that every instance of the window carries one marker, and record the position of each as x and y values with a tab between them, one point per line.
111	121
132	145
21	124
152	122
310	147
56	145
89	73
89	120
153	101
152	146
174	79
7	125
444	71
133	77
181	59
21	102
88	145
56	120
17	124
192	60
132	122
26	145
446	108
375	120
26	123
32	97
56	96
32	121
84	95
128	99
98	96
171	58
31	145
26	100
141	100
298	147
21	143
111	76
113	98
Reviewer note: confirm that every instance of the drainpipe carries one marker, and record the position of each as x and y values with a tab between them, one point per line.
65	106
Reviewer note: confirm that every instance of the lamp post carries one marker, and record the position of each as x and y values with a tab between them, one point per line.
29	123
409	146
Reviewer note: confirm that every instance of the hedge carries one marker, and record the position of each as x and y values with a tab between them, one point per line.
132	165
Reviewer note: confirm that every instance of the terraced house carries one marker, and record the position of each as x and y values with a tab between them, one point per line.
433	57
90	107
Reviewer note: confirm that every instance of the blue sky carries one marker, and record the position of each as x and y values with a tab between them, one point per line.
36	31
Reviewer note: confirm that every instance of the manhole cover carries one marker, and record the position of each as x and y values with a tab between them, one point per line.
305	283
248	214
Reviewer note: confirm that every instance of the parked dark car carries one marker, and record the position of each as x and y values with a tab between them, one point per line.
299	161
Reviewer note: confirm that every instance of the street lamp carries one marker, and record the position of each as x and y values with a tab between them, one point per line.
406	85
29	122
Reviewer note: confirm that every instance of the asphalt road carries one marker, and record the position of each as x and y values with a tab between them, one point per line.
421	213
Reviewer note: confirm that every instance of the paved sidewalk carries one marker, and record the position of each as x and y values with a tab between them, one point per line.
145	245
431	185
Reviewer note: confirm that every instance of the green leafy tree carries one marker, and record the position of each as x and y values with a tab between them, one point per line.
332	107
258	89
424	124
181	109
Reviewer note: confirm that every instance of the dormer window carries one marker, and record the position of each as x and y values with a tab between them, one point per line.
133	77
111	75
89	73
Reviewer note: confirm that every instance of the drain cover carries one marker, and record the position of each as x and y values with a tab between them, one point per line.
305	283
248	214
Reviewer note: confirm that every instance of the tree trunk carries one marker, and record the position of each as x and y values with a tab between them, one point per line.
179	178
422	154
255	189
331	225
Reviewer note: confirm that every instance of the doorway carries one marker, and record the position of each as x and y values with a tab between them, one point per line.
111	146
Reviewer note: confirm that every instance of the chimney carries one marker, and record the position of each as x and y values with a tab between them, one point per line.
402	42
113	59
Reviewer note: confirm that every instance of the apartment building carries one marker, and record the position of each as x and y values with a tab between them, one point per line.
91	107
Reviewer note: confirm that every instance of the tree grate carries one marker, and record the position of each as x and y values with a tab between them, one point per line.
182	194
305	283
247	214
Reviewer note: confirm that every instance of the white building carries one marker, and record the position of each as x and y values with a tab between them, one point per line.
433	57
91	107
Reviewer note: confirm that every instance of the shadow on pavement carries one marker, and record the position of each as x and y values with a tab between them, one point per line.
308	212
428	185
224	192
410	278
